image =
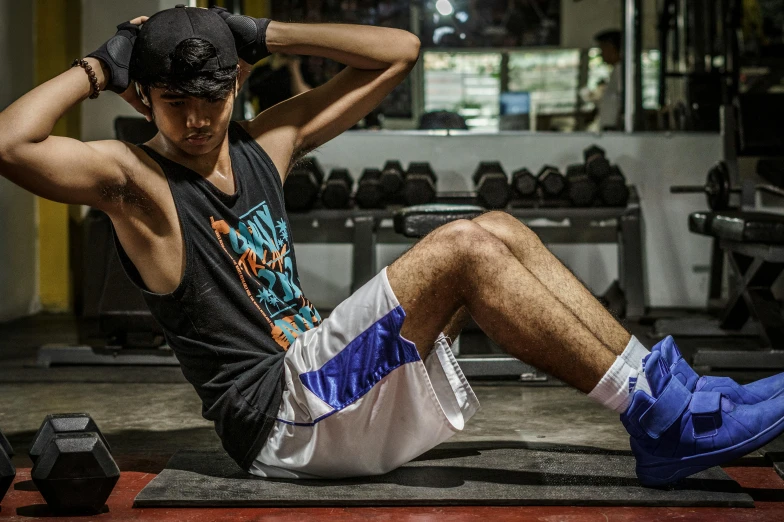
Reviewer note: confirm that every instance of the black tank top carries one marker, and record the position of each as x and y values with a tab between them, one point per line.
239	305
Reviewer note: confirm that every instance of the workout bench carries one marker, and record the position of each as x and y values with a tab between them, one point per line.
754	244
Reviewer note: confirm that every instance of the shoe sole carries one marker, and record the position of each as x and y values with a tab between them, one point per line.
682	468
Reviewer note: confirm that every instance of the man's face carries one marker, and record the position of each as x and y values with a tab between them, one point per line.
610	53
194	125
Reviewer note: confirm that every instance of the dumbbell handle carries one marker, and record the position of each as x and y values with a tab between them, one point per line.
698	189
687	189
694	189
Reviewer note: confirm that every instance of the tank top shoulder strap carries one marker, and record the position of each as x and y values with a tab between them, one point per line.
160	159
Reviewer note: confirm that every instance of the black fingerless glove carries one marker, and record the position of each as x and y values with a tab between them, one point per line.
250	34
116	54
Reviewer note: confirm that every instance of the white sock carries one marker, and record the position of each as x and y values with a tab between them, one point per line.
624	377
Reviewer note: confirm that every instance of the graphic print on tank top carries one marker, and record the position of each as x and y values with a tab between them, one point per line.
259	249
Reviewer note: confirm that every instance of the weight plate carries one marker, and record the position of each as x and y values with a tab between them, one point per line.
717	187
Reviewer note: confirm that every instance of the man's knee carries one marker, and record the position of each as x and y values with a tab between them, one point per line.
461	234
466	240
506	227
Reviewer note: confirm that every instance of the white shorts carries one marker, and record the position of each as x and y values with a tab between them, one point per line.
358	399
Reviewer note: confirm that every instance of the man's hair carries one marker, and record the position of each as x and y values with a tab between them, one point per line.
187	79
612	37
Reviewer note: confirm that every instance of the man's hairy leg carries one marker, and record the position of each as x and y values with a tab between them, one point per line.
462	265
456	324
529	250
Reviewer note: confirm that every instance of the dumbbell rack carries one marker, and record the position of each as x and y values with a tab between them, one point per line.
365	229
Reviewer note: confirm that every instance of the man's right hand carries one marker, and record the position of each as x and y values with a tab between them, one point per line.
116	54
250	34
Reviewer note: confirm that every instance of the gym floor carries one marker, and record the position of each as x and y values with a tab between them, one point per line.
147	414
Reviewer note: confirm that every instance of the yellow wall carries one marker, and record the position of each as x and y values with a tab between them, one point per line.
257	8
57	43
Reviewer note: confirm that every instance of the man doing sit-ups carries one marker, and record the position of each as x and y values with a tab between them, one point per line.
200	227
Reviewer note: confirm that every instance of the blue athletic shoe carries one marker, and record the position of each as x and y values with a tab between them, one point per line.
676	433
751	393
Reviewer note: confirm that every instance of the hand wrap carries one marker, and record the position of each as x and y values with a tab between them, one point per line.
116	54
250	34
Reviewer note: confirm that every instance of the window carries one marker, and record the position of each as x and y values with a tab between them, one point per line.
466	83
598	72
551	76
650	79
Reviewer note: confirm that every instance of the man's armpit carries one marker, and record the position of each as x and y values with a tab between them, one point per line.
127	192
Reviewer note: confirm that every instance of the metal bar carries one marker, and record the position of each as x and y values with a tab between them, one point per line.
736	311
631	61
631	263
364	256
729	138
716	273
492	366
58	354
582	82
743	359
664	37
698	326
417	74
556	214
773	253
639	113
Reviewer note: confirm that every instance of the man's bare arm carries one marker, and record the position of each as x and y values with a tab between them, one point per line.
58	168
378	58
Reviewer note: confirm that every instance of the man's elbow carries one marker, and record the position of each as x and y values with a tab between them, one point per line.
5	154
410	48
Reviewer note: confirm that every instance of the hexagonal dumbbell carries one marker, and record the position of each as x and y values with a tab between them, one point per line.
419	185
523	183
370	193
7	469
551	182
6	446
492	185
392	177
582	189
301	189
337	189
613	190
596	164
75	473
59	423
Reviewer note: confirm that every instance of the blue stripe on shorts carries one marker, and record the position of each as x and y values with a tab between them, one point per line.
366	360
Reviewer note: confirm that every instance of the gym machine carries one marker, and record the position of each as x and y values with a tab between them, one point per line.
744	75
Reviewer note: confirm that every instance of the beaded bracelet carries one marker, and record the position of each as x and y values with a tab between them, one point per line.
93	79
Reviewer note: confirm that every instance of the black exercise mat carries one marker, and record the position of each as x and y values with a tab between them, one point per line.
492	473
774	453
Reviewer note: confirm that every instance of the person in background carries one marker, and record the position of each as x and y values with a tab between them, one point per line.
610	103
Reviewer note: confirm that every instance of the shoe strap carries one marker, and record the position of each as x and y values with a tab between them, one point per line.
684	373
705	408
667	408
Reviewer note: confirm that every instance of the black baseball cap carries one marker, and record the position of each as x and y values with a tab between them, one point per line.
163	32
